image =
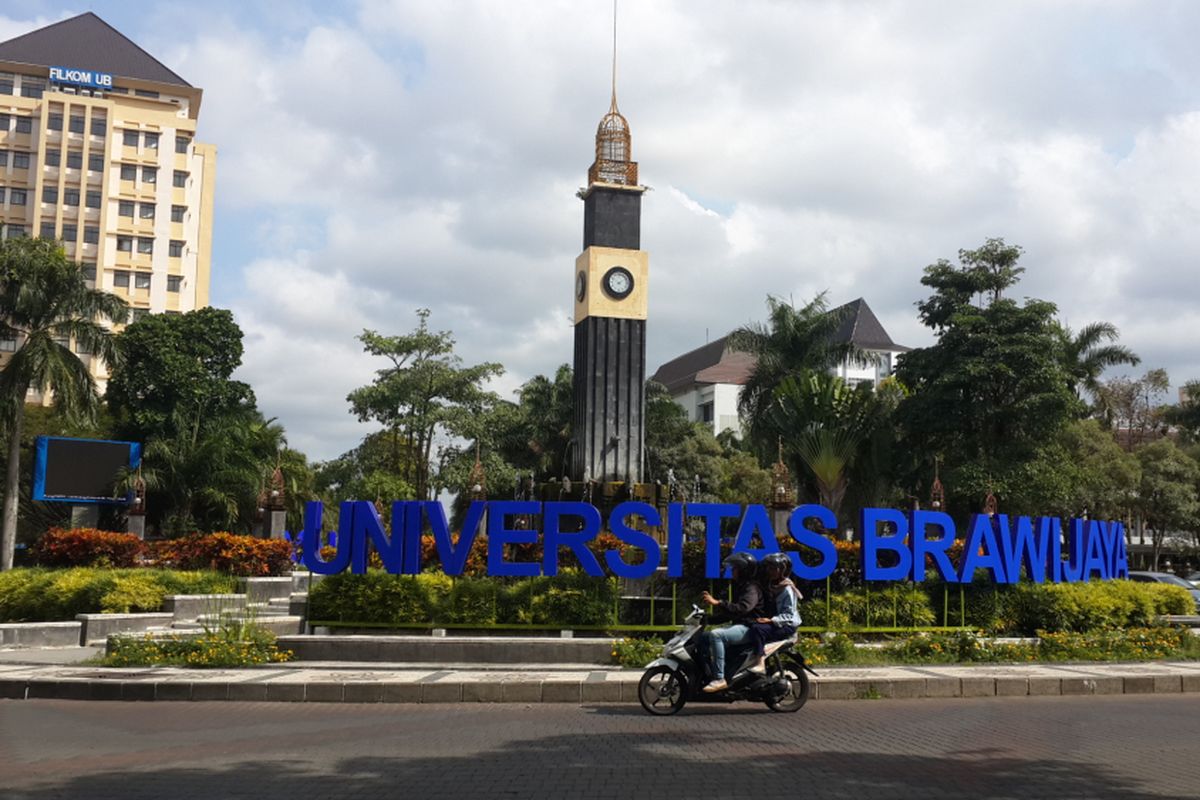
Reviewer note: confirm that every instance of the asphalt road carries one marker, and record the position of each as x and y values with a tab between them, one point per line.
1030	747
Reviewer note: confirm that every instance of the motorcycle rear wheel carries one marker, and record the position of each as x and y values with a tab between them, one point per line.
661	691
797	693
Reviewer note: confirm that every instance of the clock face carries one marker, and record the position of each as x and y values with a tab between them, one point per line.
618	283
580	286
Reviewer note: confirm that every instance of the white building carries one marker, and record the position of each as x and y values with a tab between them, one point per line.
706	382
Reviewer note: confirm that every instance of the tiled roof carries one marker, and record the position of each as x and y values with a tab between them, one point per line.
862	327
87	42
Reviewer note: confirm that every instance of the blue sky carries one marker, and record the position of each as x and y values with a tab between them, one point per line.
792	148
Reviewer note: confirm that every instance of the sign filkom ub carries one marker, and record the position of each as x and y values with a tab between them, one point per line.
74	76
1000	545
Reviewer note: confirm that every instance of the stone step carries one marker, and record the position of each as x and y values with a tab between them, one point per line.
445	650
301	581
40	634
190	606
260	590
280	625
96	628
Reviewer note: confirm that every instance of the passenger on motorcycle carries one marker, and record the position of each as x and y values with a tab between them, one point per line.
783	598
747	606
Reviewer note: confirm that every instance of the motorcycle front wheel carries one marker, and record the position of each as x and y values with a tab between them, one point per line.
796	696
661	691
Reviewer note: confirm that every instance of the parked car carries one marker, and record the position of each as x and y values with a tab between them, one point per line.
1167	577
1195	579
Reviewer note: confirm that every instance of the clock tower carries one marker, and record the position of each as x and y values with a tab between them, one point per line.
610	314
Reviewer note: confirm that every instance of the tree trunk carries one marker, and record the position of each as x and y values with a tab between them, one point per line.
12	484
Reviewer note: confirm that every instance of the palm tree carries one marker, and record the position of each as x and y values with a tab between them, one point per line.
1086	356
794	341
44	304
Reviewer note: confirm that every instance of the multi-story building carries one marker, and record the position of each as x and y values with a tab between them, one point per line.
706	382
97	149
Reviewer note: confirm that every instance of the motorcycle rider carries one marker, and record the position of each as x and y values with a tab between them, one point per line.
783	599
746	607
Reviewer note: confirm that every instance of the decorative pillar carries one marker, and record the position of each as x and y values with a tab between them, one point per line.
135	519
275	502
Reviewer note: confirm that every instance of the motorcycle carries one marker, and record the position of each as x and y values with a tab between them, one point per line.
682	671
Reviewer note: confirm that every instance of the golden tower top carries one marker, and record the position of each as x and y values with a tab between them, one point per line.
614	161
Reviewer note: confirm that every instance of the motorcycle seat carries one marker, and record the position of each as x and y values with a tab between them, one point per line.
773	647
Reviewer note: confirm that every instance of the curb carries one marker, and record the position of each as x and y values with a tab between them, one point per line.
597	686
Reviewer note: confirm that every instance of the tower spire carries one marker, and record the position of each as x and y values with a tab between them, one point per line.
614	162
613	106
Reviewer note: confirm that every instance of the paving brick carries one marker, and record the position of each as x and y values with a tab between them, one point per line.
978	687
1168	684
1139	684
247	692
561	692
531	692
323	692
363	692
137	690
482	692
1045	686
1011	686
943	687
402	693
213	690
285	692
173	690
600	692
448	692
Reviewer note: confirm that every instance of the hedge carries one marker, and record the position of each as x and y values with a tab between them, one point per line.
379	598
225	552
86	547
40	595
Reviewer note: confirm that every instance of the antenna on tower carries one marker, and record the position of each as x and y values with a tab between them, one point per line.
614	59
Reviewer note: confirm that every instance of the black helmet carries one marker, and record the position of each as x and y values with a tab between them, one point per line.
740	563
781	560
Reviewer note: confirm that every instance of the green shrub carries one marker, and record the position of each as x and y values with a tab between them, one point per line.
1095	605
248	646
378	598
636	651
39	594
471	601
894	606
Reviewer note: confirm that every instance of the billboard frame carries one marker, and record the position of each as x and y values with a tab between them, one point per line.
40	452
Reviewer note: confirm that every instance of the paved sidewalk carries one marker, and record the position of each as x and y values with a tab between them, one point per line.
549	683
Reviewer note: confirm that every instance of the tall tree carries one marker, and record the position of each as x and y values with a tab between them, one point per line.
1167	494
1134	406
1089	352
793	341
992	389
426	390
45	304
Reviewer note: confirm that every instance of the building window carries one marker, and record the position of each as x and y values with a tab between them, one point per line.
179	181
82	349
146	211
174	283
16	197
141	280
96	162
2	191
47	231
136	314
31	87
14	231
20	160
121	279
145	246
49	194
53	158
89	270
125	208
54	122
3	158
706	412
124	244
151	140
99	126
77	125
5	119
91	235
129	138
8	345
181	144
24	125
93	199
70	233
71	197
177	213
74	159
128	172
6	83
150	174
175	249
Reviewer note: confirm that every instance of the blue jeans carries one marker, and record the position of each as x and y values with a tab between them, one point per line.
721	638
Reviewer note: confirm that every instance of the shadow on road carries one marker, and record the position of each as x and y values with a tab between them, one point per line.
693	763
